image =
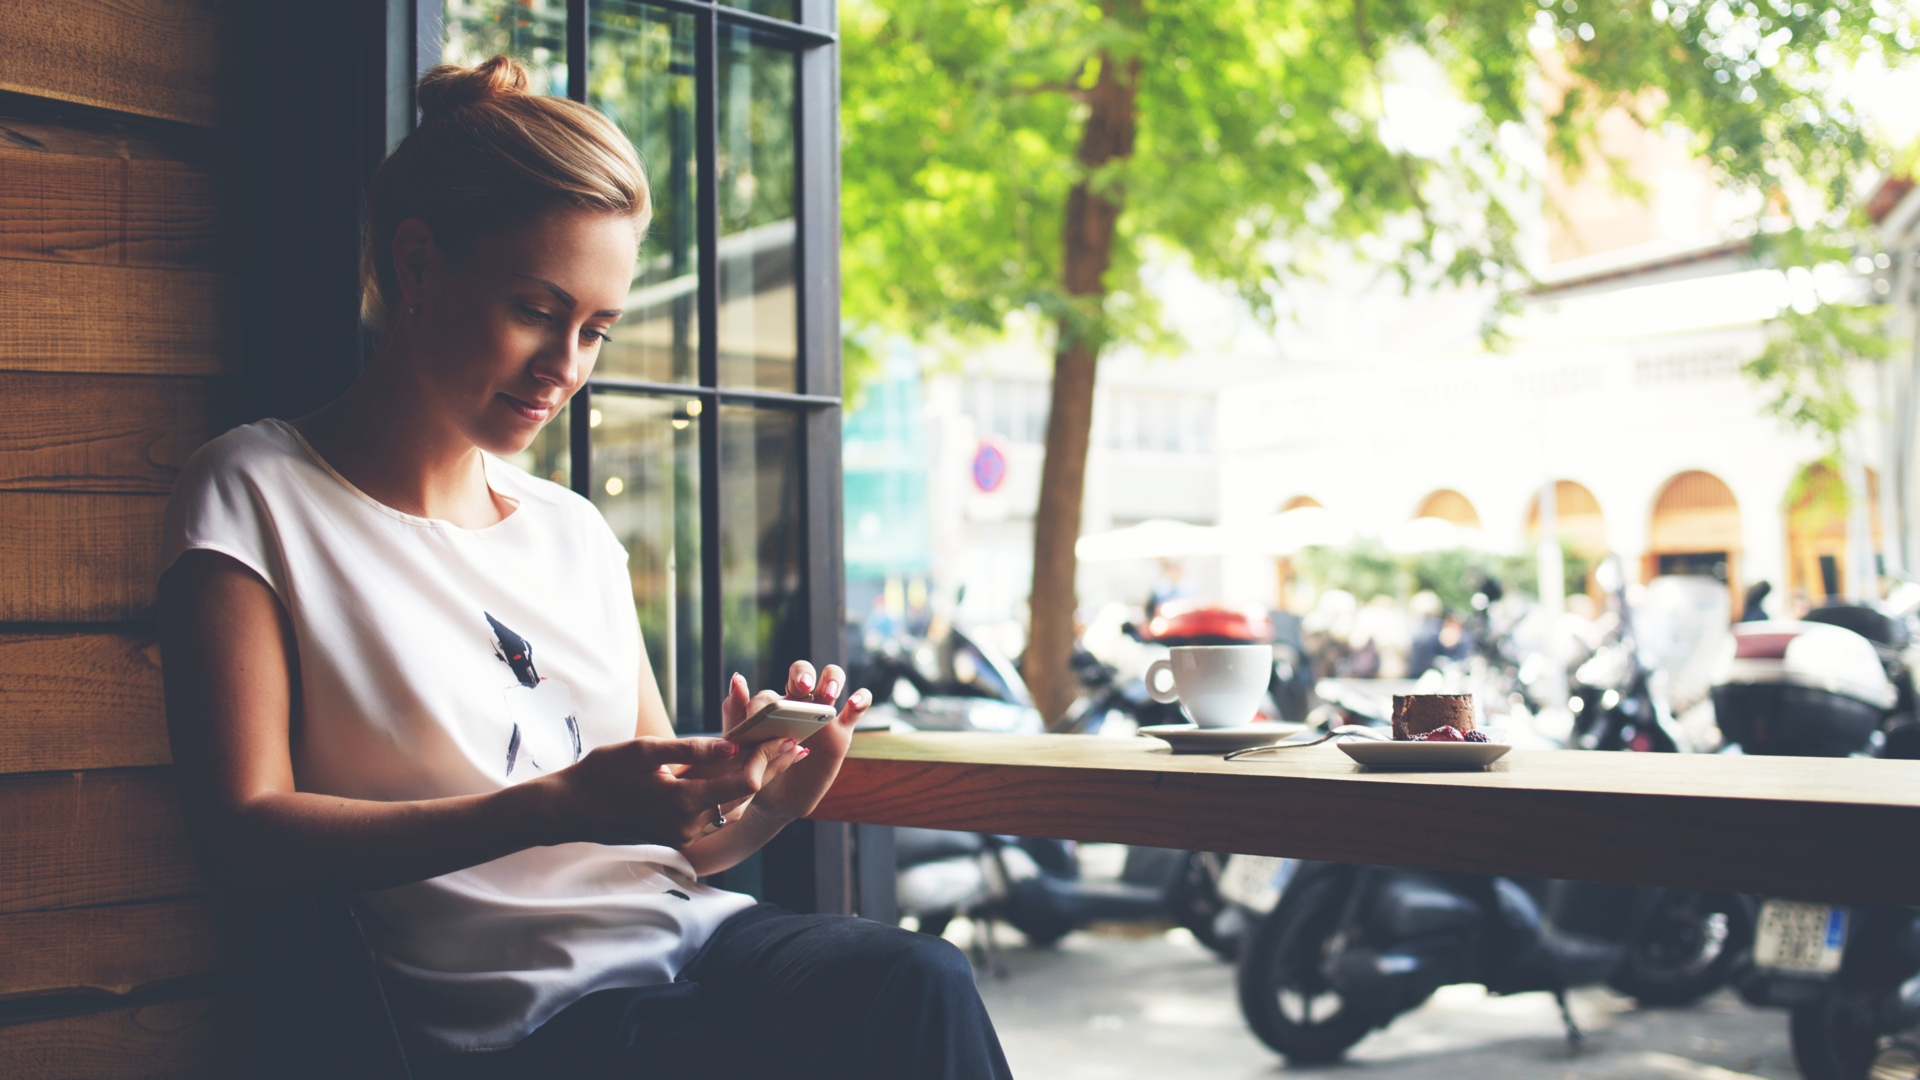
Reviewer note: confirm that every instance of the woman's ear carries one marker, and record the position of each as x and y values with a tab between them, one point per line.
413	252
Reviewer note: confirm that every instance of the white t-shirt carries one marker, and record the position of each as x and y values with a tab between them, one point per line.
437	661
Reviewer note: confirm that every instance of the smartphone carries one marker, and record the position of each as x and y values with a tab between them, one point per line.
783	719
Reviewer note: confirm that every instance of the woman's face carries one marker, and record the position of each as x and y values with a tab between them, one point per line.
509	328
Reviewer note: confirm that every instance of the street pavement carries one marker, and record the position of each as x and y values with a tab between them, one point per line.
1158	1006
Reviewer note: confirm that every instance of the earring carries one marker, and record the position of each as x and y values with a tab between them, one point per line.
413	309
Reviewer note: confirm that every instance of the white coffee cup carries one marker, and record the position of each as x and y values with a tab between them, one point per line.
1217	685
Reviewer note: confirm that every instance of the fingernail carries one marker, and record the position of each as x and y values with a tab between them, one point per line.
833	689
787	744
861	698
803	753
806	682
728	749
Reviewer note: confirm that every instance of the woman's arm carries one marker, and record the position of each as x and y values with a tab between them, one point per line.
231	673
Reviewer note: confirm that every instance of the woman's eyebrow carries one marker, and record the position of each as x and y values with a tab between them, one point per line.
566	298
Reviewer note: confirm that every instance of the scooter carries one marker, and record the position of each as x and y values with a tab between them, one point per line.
1038	887
950	682
956	682
1346	949
1819	687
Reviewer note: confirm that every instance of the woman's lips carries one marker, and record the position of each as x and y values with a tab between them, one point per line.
528	410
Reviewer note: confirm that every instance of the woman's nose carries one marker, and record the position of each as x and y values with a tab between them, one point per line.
564	364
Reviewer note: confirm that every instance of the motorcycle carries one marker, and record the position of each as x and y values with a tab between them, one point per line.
1822	687
1346	949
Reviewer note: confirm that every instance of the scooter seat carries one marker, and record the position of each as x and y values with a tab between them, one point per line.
914	847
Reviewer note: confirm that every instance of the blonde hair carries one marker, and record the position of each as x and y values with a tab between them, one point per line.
488	155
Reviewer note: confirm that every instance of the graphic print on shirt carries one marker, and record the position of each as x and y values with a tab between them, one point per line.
546	726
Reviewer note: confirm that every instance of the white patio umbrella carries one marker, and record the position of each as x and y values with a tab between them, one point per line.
1290	532
1431	534
1155	539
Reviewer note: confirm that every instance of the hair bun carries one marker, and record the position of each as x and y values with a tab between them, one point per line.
450	86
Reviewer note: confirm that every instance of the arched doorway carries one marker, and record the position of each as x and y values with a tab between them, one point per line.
1817	508
1695	530
1449	505
1580	524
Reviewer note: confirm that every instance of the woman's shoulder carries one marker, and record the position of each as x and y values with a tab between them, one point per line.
244	452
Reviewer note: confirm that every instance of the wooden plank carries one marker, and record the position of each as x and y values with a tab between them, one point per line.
80	701
76	317
79	558
79	839
111	950
172	59
191	1040
51	128
106	433
1838	830
115	211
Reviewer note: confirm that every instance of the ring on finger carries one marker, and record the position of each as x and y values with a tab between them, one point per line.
719	817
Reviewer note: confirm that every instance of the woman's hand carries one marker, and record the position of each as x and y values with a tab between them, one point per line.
798	786
657	791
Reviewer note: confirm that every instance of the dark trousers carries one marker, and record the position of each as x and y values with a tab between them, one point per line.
772	996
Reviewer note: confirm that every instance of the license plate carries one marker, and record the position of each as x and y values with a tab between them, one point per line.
1255	881
1805	938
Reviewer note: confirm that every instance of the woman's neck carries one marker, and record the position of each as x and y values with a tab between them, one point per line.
385	437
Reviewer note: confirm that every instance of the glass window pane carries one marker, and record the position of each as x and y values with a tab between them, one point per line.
759	330
646	480
641	74
765	618
531	31
779	9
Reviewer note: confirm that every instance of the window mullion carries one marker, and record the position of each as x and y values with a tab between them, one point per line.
580	416
707	230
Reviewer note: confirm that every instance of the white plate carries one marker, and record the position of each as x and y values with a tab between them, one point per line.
1424	755
1801	938
1188	739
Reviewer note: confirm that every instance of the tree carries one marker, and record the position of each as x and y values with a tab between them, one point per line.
1004	156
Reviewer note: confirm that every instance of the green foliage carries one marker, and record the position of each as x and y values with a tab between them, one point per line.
1804	366
1817	495
1367	569
1259	134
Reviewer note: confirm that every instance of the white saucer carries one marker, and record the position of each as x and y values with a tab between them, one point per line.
1424	755
1189	739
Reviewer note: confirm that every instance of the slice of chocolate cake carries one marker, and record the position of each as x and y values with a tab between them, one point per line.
1417	714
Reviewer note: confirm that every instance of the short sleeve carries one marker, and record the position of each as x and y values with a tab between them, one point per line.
219	504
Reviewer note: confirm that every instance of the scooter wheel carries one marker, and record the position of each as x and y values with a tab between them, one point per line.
1686	949
1834	1036
1283	994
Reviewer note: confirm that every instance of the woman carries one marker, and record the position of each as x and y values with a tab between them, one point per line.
399	666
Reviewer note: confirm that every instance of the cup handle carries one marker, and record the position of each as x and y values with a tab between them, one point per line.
1154	671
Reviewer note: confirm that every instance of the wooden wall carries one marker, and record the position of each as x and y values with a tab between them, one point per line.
119	355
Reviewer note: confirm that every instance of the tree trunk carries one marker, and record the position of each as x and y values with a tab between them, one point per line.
1088	239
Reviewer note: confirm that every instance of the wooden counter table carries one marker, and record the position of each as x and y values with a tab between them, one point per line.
1837	830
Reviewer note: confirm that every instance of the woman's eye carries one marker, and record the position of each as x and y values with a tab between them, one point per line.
595	336
535	314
